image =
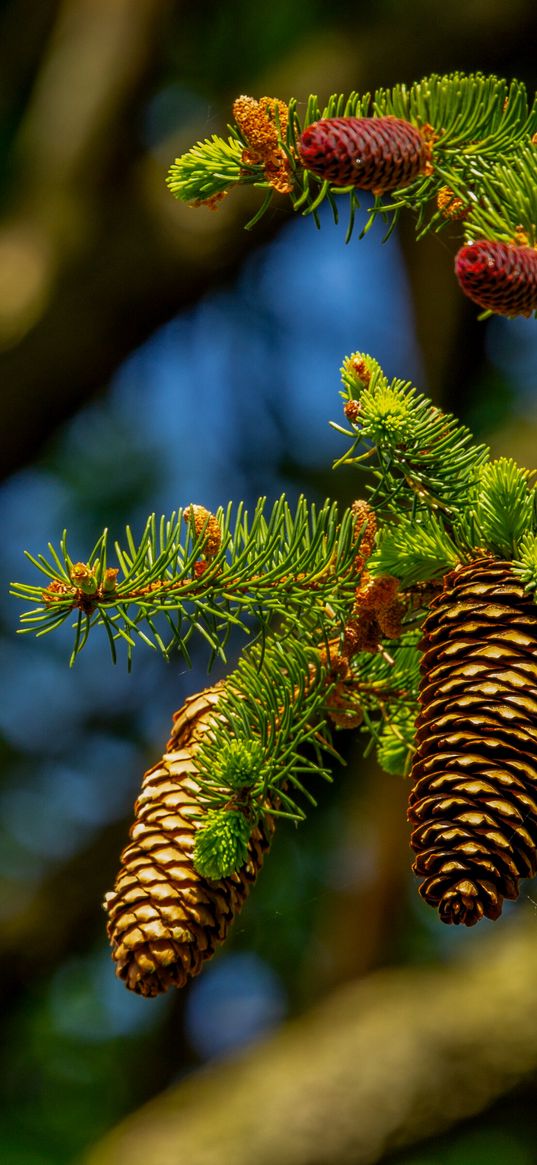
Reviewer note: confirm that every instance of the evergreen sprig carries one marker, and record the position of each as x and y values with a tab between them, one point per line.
283	564
272	707
274	716
442	499
476	127
504	509
209	169
507	208
420	456
525	563
415	550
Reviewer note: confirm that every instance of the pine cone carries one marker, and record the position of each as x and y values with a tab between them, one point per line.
501	277
371	153
473	805
165	920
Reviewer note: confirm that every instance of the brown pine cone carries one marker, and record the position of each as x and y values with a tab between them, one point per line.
473	805
165	920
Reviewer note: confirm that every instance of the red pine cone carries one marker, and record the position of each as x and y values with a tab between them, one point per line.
501	277
371	153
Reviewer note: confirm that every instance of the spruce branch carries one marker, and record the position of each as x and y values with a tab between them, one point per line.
275	723
180	577
420	456
467	124
416	550
525	564
345	607
410	617
440	497
272	706
507	207
454	148
504	510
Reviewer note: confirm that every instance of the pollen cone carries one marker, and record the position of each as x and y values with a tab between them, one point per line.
473	805
165	920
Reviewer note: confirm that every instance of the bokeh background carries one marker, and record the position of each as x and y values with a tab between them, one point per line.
152	356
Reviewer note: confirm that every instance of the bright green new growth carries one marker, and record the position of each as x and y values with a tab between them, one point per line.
221	846
425	456
208	169
238	765
504	506
525	564
394	748
415	550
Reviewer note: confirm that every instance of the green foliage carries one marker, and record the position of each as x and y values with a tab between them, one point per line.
262	568
476	120
507	206
387	683
208	169
473	114
416	549
525	564
307	581
441	497
479	131
396	743
221	845
273	708
420	455
238	764
504	506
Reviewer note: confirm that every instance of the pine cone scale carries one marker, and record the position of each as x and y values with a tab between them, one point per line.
518	779
478	792
451	681
473	805
498	748
495	651
502	703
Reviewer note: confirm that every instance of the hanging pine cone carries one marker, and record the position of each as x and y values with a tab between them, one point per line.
371	153
165	919
501	277
473	805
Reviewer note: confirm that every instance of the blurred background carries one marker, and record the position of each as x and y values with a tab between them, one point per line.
152	356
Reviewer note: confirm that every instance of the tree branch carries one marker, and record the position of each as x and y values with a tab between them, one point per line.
384	1062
